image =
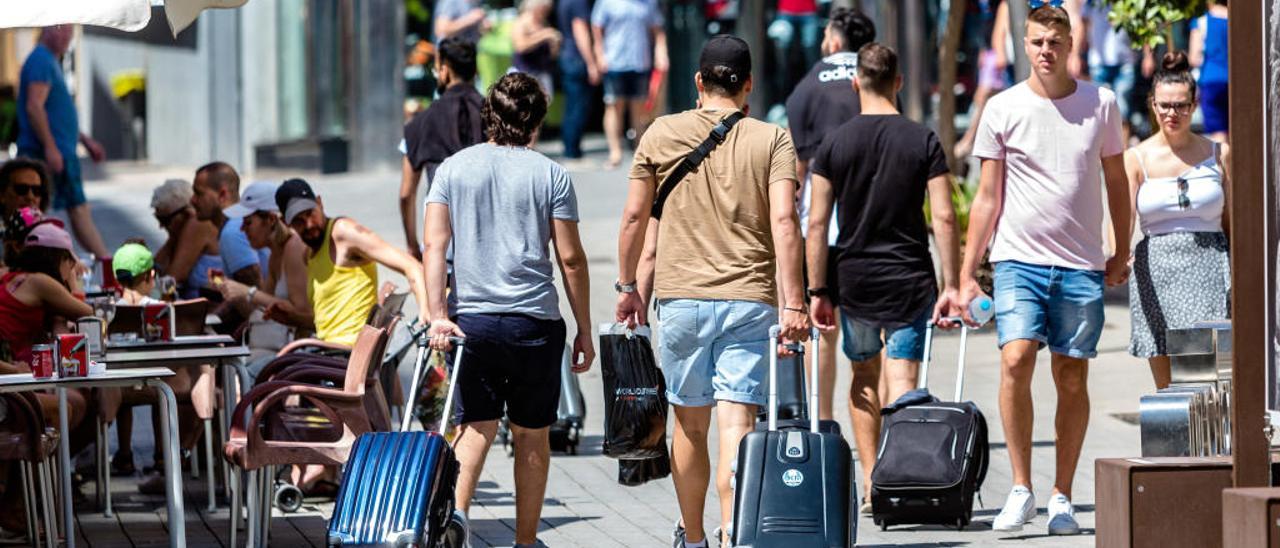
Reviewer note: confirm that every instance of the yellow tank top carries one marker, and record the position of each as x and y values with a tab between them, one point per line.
341	296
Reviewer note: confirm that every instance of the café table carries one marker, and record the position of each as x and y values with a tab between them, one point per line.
222	351
143	376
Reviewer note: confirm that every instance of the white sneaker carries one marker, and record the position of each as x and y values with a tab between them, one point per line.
1062	516
1019	509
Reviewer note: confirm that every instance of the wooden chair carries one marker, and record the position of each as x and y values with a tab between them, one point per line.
26	438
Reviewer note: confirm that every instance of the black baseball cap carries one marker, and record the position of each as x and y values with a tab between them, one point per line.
727	51
293	197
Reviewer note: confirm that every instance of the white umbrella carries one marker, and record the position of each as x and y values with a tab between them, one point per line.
126	15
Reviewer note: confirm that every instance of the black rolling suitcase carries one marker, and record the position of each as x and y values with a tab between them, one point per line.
397	487
793	488
933	456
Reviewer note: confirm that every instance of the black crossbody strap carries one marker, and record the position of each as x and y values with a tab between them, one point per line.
692	160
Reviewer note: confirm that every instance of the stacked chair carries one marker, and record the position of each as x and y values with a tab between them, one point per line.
26	439
308	406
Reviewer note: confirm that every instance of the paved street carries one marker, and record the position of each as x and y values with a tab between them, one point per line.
586	507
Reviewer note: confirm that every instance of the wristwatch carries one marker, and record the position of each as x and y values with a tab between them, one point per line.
819	292
251	292
624	288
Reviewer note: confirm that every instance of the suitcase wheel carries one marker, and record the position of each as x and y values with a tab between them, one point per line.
287	497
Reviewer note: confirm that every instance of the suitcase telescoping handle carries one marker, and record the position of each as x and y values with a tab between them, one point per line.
774	333
928	355
424	351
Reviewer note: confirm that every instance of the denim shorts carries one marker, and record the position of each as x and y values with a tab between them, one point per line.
862	341
1058	307
510	363
712	350
627	84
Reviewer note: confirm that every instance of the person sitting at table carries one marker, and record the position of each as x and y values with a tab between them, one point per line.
134	268
24	195
282	309
342	264
192	248
37	297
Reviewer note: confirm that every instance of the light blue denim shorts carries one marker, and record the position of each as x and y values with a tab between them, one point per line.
714	350
862	341
1060	308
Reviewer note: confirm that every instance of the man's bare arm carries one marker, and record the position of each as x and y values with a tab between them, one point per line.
356	241
437	233
409	179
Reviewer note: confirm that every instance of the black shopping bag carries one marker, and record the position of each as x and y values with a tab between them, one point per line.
633	472
635	397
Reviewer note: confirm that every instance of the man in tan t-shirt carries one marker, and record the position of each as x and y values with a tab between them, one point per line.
726	231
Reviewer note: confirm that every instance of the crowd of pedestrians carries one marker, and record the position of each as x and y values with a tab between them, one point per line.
731	225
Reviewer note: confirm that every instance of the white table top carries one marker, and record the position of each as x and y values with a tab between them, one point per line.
19	382
189	340
118	358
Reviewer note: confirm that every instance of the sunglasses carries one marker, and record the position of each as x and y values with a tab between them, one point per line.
164	219
1184	202
1172	108
1037	4
25	190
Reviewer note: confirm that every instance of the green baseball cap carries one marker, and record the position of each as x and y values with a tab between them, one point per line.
132	260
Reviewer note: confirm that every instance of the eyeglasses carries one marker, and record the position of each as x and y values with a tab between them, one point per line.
1037	4
25	190
1184	202
1182	109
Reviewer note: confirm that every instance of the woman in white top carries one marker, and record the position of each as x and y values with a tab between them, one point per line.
1179	185
285	308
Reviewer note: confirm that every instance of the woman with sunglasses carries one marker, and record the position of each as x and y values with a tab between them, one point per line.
1179	184
192	248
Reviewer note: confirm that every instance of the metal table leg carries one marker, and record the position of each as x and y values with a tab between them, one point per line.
172	466
208	465
64	455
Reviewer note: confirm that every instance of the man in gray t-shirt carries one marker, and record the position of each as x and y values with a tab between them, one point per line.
500	203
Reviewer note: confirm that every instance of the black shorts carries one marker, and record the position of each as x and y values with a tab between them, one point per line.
511	363
833	281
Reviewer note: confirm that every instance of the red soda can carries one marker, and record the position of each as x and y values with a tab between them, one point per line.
42	361
73	355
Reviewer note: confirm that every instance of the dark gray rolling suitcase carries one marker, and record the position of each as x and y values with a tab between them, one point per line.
793	488
397	487
933	456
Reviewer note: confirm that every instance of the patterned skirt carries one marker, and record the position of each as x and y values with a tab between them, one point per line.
1178	279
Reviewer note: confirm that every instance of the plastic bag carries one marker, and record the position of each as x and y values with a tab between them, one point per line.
635	395
633	472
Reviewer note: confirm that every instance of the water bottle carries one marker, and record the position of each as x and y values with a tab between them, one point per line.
981	309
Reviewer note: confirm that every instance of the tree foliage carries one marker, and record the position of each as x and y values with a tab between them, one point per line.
1147	22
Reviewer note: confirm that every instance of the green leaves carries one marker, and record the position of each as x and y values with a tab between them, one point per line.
1147	21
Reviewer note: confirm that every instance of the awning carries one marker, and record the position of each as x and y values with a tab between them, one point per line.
126	15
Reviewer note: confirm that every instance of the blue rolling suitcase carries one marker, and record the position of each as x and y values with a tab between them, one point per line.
397	487
793	488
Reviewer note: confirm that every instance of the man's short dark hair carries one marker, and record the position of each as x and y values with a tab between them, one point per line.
878	69
460	56
11	167
219	175
854	28
514	109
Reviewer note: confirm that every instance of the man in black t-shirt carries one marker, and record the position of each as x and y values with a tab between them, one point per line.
877	167
450	124
822	101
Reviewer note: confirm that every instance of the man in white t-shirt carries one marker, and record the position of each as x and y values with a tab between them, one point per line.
1046	146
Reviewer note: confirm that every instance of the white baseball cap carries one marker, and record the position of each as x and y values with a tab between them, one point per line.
259	196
